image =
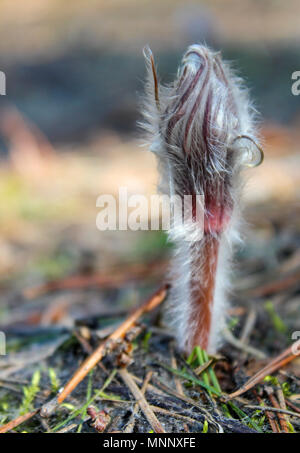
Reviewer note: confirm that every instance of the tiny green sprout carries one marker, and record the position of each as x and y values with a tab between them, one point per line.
54	380
243	416
205	427
202	358
286	388
271	380
88	397
30	392
145	341
277	322
4	406
232	323
36	377
109	396
290	426
199	357
258	417
190	358
68	406
225	410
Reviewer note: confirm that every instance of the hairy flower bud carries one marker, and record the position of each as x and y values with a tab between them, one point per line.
202	133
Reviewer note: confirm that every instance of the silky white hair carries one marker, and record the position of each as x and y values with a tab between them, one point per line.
202	130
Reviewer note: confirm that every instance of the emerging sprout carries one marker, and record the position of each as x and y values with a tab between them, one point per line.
202	131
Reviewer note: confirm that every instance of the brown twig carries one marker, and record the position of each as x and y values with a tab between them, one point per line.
295	408
88	349
275	404
282	404
145	408
103	348
112	279
283	359
276	286
270	415
17	421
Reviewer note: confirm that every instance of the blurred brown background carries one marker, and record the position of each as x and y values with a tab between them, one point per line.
68	122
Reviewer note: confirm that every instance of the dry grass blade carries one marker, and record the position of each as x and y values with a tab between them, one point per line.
104	347
275	404
187	419
176	380
283	359
273	409
146	409
248	326
292	406
270	415
242	346
130	424
186	399
282	404
200	369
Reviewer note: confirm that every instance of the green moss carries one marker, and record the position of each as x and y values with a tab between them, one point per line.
29	393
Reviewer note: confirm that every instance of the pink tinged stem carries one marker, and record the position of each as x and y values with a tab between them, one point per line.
202	286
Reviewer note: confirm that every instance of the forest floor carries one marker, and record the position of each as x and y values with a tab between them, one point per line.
66	287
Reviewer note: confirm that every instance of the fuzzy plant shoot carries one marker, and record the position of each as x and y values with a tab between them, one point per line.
201	128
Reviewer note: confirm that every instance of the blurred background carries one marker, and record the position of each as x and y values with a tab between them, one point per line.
74	74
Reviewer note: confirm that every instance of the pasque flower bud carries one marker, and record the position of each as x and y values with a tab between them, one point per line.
202	131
